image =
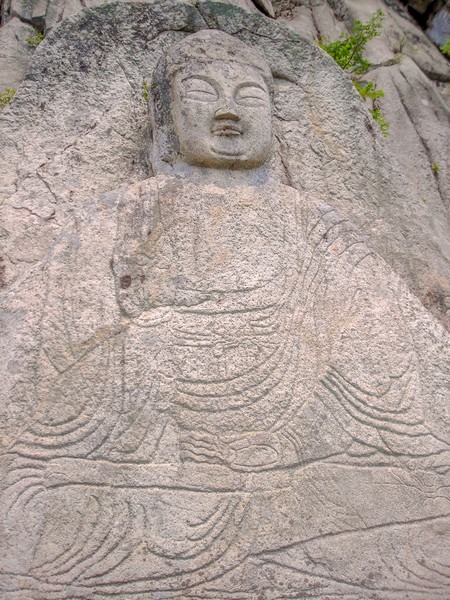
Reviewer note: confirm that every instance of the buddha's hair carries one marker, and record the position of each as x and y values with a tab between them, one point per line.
202	47
214	45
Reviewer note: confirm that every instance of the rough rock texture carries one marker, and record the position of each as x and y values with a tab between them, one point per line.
22	20
439	28
216	381
409	69
15	53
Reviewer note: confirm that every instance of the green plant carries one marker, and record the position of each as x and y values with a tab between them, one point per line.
445	49
145	90
368	90
435	168
348	51
6	97
35	39
379	118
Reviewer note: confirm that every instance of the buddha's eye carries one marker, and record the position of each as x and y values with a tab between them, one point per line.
199	90
251	95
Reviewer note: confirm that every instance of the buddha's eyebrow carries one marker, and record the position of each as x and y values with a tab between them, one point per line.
201	77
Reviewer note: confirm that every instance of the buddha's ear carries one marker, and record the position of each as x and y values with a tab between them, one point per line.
163	141
163	149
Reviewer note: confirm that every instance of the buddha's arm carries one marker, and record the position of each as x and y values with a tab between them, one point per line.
374	381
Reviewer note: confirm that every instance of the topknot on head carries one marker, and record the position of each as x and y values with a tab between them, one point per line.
212	45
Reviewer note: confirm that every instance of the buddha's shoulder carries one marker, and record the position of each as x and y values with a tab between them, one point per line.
319	219
306	205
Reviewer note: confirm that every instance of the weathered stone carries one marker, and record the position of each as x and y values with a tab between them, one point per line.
439	29
404	61
14	53
215	387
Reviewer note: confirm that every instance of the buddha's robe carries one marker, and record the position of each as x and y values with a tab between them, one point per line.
222	372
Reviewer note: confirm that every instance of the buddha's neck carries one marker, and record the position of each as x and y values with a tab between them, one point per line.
225	178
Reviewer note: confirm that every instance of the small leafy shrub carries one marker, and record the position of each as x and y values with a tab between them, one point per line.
35	39
445	49
379	118
6	97
348	52
145	90
368	90
435	168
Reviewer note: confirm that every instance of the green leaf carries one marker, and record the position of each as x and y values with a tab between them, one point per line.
35	39
6	97
381	120
348	50
368	91
445	49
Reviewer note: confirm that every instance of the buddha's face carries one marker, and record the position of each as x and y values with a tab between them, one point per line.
222	115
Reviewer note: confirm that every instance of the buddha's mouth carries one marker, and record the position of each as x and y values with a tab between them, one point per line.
227	129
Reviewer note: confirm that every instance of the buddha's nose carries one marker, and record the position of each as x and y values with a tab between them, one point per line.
227	113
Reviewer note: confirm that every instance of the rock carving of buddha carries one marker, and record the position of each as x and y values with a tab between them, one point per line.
254	389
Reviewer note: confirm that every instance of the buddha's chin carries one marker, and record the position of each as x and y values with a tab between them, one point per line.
233	162
233	154
234	159
226	158
228	147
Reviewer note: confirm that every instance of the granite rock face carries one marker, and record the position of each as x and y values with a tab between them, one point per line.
214	385
414	76
22	20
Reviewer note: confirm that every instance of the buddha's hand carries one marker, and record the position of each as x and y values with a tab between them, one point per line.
246	452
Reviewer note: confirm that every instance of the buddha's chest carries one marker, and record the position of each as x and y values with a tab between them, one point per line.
228	261
225	242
